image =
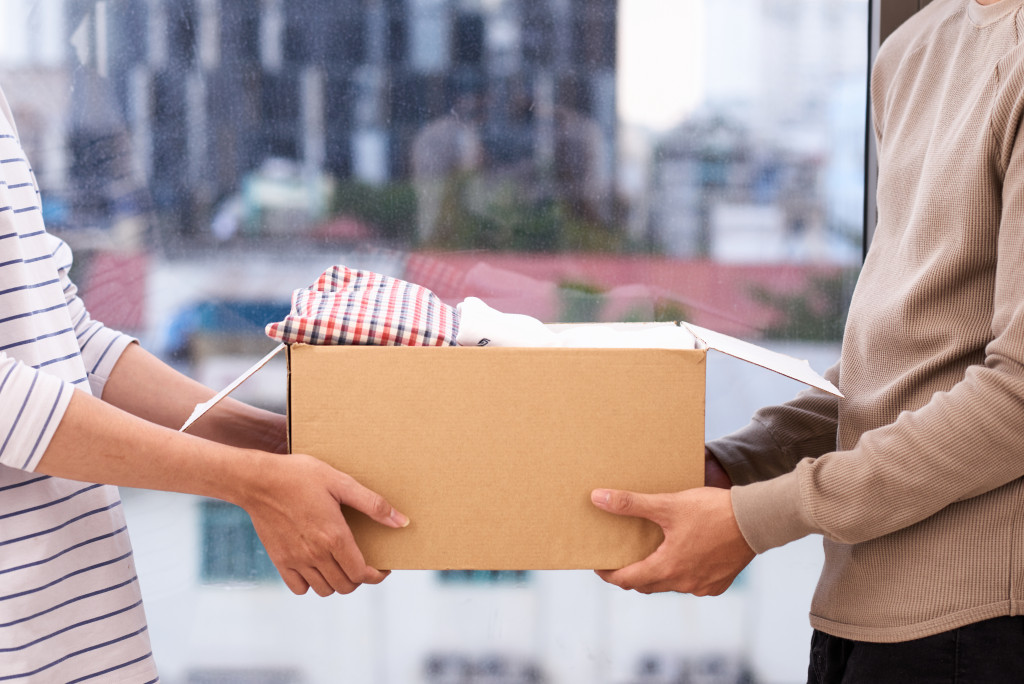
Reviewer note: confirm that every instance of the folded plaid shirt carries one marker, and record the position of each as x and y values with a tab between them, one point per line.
346	306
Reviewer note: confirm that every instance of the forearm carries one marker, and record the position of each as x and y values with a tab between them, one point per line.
97	442
962	444
294	500
145	386
779	437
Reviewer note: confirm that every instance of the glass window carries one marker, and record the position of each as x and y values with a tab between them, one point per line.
573	160
483	576
243	676
231	550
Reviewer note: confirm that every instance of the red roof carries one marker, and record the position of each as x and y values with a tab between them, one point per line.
712	295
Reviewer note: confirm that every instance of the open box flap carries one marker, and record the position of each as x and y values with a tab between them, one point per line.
202	408
797	369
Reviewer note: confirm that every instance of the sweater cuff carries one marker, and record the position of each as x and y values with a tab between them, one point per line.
771	513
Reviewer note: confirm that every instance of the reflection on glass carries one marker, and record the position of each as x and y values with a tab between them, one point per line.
574	160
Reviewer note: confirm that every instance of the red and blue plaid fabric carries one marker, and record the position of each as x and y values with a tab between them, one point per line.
346	306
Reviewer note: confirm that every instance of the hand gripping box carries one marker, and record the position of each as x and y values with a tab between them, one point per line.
493	452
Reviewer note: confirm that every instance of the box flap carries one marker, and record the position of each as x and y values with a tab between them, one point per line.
202	408
797	369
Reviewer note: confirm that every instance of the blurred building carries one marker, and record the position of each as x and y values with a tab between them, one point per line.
766	170
721	193
206	91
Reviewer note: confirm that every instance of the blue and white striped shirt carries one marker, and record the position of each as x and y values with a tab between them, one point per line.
70	605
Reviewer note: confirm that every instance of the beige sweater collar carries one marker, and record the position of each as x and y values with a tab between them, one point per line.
983	15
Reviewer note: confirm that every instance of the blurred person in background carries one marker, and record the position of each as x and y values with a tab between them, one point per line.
915	478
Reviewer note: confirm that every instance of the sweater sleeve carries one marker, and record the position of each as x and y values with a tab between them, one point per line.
101	347
778	437
962	443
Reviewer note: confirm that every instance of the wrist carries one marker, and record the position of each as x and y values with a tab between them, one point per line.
238	476
241	425
771	513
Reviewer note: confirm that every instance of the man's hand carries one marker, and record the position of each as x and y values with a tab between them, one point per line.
703	550
296	512
714	473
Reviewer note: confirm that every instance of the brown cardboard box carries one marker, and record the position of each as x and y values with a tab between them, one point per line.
493	452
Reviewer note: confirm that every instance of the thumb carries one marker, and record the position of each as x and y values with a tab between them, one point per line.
352	493
633	504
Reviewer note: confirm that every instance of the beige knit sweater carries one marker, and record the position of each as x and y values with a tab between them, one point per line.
915	478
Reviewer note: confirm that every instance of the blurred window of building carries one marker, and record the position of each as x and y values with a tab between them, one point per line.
244	676
484	576
231	550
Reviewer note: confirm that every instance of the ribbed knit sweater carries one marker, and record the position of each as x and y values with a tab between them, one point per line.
915	477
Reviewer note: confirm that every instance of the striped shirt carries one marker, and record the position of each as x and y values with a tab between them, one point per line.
70	605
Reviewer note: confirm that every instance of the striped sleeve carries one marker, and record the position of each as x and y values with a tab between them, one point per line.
34	403
101	346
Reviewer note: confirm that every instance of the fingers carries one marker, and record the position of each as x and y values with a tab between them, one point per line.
703	550
639	575
633	504
297	511
294	581
637	578
333	563
370	502
341	572
325	587
346	552
351	565
326	579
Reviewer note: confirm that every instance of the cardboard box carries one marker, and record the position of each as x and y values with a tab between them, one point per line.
493	452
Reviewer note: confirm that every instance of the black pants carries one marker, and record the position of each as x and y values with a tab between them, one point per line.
988	652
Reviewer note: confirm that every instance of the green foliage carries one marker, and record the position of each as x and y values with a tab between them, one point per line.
390	209
816	313
583	302
580	302
500	218
581	287
670	310
525	228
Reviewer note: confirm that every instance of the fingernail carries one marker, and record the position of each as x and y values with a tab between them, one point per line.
399	519
600	496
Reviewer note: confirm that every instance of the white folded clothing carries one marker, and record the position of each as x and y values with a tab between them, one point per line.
480	325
